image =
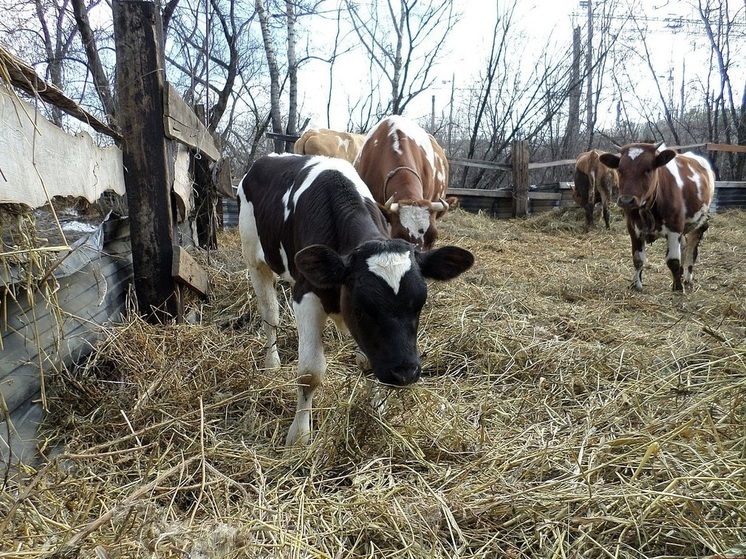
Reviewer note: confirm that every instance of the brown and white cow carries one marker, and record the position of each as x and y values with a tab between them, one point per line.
313	222
593	178
323	141
407	173
664	194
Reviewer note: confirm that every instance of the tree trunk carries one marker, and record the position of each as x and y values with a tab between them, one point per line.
274	75
293	75
100	80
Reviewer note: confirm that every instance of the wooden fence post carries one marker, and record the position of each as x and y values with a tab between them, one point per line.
148	164
520	178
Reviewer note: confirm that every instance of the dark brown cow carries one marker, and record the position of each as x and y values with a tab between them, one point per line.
323	141
664	194
313	222
407	173
593	178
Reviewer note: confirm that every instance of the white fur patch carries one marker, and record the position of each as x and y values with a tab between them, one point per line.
634	153
415	219
675	170
390	267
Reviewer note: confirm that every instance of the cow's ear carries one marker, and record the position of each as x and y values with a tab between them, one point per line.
321	266
444	263
610	160
664	157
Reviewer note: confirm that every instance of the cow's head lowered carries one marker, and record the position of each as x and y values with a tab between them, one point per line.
407	174
382	293
638	167
414	220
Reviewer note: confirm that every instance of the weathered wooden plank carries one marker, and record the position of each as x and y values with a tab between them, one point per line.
480	192
24	77
726	147
551	164
182	124
187	271
481	164
138	33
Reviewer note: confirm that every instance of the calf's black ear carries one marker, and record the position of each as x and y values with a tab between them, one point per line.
321	266
610	160
444	263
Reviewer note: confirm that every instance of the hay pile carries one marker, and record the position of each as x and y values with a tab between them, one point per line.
560	415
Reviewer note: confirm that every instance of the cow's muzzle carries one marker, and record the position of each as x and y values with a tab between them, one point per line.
628	202
403	375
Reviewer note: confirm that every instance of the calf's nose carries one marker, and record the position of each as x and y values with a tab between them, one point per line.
626	201
404	375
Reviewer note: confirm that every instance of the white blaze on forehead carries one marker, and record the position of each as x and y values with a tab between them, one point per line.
318	165
634	153
390	267
415	219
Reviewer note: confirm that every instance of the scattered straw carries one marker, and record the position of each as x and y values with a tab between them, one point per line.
560	415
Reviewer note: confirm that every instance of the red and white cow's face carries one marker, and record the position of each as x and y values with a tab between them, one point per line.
414	220
637	169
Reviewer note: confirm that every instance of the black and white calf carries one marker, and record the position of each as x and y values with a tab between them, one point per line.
313	222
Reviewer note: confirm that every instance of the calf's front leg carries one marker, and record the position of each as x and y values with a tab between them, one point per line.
638	260
310	318
673	259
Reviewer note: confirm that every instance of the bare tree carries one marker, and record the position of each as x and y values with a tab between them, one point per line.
719	25
403	40
512	101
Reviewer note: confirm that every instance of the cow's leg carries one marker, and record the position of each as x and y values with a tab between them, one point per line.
673	259
638	259
264	282
310	318
691	251
605	211
605	196
262	279
589	208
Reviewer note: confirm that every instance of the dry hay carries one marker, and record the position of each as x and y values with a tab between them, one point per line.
560	415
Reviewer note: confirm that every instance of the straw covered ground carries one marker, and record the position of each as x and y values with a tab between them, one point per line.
560	415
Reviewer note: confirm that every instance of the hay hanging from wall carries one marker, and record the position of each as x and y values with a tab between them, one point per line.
560	415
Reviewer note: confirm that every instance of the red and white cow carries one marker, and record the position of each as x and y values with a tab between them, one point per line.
323	141
664	194
313	222
407	173
591	178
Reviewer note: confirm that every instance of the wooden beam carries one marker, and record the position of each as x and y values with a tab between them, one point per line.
183	125
551	164
726	147
186	270
283	137
148	162
24	77
481	164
